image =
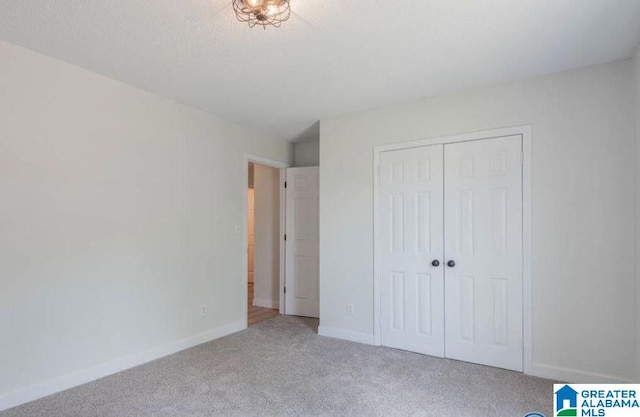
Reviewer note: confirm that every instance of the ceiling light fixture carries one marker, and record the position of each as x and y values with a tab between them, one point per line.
262	12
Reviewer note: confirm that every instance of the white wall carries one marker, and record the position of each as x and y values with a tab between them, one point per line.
636	66
266	182
118	221
306	154
583	209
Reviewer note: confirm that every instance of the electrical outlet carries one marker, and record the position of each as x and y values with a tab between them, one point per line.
350	309
203	310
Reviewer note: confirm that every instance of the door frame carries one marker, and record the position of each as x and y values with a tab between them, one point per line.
527	302
281	166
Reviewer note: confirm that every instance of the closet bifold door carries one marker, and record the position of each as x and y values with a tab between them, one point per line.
483	251
411	262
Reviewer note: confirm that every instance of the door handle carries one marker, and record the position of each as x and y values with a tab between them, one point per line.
435	263
451	264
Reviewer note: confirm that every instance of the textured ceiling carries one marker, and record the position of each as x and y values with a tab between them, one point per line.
331	57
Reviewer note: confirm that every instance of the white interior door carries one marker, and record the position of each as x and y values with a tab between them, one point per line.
483	237
412	288
302	245
250	235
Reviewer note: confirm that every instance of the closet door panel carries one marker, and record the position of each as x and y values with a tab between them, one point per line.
412	288
483	251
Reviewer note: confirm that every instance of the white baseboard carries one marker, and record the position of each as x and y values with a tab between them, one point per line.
261	302
357	337
543	371
64	382
572	375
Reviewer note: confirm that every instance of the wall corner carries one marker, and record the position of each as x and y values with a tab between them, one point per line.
636	81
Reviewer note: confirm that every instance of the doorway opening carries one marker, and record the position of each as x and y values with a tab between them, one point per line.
263	242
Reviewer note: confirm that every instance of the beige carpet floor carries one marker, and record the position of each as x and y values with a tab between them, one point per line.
281	367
